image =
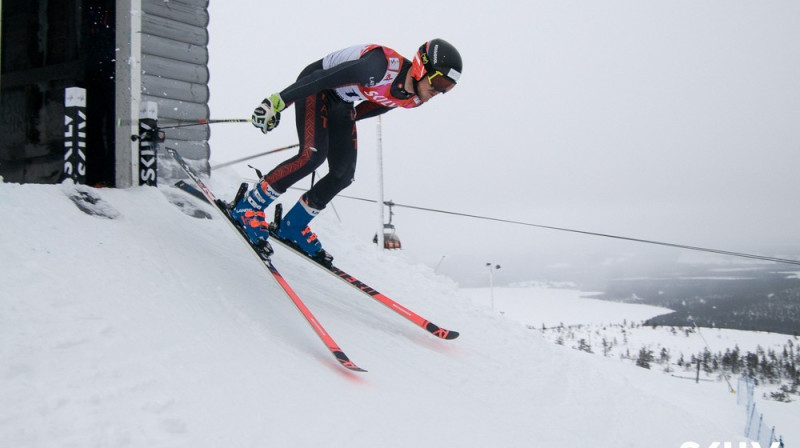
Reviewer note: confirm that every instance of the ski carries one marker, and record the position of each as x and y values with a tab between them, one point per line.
263	255
327	266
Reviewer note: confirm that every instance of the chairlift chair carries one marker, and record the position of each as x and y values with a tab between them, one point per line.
390	238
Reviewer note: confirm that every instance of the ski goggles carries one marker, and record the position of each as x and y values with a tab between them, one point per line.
440	82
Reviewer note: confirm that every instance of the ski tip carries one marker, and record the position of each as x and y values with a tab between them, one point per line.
355	368
445	334
440	332
346	363
452	335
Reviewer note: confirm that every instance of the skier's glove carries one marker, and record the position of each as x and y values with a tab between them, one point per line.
267	115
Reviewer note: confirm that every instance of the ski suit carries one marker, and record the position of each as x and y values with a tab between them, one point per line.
325	96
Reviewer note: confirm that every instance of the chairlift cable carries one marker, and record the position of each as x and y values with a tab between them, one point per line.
598	234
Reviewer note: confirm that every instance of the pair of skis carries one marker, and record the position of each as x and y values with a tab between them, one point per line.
263	255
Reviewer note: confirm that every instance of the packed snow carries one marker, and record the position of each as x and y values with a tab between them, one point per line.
142	326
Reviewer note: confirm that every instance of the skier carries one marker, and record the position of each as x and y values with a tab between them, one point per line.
324	95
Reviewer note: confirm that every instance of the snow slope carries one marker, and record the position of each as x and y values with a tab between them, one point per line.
545	307
155	329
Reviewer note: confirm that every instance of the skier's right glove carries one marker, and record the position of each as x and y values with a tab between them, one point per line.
267	115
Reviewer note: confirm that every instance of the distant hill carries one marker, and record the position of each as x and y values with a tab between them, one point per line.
760	297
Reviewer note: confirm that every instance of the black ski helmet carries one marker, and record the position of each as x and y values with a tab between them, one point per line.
437	55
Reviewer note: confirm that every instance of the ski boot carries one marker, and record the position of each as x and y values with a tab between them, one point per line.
293	229
248	212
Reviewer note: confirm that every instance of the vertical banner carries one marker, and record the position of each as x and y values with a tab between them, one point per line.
75	134
148	143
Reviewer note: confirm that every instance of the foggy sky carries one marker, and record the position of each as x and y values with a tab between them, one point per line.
668	120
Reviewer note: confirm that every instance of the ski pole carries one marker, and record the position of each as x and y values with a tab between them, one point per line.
199	122
232	162
187	123
203	121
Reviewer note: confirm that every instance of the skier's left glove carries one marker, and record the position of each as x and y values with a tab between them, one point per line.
267	115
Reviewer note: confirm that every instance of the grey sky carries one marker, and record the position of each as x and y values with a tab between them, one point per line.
670	120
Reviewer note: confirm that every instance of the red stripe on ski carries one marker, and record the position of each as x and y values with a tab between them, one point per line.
393	305
312	320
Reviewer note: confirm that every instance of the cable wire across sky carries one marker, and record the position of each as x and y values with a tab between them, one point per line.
586	232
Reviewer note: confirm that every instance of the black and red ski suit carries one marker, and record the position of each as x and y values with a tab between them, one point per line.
325	96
